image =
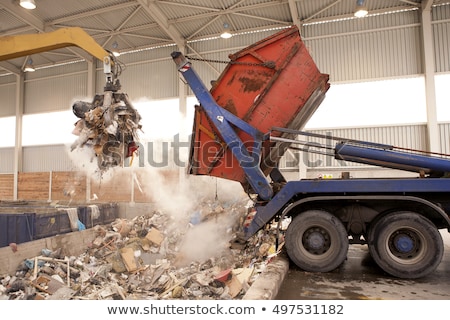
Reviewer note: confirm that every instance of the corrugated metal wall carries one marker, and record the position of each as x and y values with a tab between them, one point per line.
441	32
444	132
8	104
6	160
153	80
147	73
54	89
7	79
375	47
46	158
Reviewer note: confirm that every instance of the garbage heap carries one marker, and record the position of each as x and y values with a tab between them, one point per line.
149	257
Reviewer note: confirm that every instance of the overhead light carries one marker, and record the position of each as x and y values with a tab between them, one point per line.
29	66
361	10
27	4
226	34
115	52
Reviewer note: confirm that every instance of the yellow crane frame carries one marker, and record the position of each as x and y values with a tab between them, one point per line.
12	47
27	44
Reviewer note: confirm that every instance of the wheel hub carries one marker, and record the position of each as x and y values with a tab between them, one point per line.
316	240
404	244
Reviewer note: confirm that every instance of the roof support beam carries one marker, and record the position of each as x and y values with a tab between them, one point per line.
95	12
411	3
9	67
217	72
294	13
24	15
231	10
153	10
322	10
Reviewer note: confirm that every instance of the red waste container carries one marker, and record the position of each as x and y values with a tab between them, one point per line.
272	83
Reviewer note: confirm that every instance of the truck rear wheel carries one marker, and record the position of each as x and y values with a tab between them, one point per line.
405	245
316	241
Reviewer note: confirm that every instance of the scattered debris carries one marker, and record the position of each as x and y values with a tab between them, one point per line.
13	247
150	257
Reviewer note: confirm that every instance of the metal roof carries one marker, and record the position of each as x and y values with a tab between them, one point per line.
140	24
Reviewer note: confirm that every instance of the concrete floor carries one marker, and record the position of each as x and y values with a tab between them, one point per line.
359	278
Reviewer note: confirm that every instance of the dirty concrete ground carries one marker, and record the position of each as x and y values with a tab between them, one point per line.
359	278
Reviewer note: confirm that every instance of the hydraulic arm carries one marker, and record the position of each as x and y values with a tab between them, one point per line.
223	121
370	153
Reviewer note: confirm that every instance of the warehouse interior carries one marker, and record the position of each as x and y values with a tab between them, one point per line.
388	69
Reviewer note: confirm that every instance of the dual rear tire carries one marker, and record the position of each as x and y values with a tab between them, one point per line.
405	244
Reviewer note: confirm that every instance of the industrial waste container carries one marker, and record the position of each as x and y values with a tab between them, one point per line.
15	228
98	214
271	83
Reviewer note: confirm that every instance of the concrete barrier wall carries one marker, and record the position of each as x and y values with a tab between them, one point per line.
73	243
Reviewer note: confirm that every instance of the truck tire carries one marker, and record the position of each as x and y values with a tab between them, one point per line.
316	241
405	245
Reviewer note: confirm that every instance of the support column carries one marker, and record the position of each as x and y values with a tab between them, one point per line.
182	95
133	182
302	167
429	72
18	162
294	14
50	181
91	78
90	91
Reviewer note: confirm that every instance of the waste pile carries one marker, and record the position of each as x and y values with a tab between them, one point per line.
151	257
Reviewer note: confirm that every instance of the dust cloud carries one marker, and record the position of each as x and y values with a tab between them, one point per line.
208	239
187	201
84	164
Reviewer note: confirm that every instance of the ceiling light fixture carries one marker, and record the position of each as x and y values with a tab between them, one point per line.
27	4
115	52
226	34
361	10
29	66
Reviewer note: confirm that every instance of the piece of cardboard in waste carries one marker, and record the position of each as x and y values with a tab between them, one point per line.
129	259
234	286
97	242
47	284
243	274
155	236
